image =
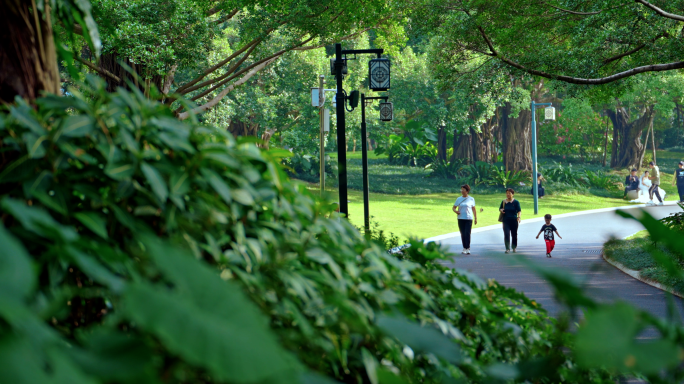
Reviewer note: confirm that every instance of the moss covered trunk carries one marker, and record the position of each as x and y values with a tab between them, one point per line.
629	151
516	138
28	61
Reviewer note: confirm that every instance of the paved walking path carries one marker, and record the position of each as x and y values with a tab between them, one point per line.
579	252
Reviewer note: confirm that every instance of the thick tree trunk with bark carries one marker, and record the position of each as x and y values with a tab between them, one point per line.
28	61
477	146
239	128
441	144
516	139
629	152
463	147
110	63
484	143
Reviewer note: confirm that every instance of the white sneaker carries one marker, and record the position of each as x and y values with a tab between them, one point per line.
507	251
468	251
650	203
464	252
661	203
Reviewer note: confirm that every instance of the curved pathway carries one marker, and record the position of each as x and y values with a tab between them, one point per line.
579	252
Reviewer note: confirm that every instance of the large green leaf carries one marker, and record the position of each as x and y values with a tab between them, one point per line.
37	220
16	275
120	171
113	356
156	181
423	339
218	184
96	271
93	221
22	364
608	338
207	321
77	126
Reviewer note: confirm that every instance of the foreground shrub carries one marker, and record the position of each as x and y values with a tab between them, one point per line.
89	292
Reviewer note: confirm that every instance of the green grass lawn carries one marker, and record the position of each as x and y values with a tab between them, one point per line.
633	253
430	215
414	205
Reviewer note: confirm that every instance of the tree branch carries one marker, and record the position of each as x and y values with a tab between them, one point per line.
213	68
224	82
660	11
228	89
601	80
227	17
638	48
574	12
97	69
228	72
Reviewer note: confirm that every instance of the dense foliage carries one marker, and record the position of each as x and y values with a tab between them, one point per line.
95	181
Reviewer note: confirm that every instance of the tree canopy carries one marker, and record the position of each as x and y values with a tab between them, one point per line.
572	41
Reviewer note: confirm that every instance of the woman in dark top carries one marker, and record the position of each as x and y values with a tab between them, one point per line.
511	210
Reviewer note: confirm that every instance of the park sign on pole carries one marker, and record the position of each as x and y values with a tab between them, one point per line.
549	114
338	67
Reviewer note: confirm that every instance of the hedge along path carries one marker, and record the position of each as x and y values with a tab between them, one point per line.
636	274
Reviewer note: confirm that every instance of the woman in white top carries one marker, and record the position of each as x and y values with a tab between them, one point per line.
644	185
464	207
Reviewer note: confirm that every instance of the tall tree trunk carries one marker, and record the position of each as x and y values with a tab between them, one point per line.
239	128
484	144
112	63
630	151
516	136
463	147
28	61
476	145
441	144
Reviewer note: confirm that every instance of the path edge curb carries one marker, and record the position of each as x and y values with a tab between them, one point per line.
635	274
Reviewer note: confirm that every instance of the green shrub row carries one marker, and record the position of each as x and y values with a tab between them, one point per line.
137	248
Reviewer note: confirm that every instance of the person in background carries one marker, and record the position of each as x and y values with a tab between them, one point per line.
655	183
540	187
464	207
631	182
679	180
511	218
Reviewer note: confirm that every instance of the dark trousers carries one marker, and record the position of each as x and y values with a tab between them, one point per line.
465	227
510	227
654	190
680	189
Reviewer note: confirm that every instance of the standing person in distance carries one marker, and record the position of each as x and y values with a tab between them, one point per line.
655	183
464	207
511	218
548	230
679	179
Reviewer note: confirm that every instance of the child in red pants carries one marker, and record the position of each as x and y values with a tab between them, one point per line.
548	230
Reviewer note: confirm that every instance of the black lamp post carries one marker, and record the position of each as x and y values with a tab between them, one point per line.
379	73
386	113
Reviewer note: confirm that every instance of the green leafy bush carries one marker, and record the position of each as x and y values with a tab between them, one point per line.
675	220
91	183
308	167
445	169
566	175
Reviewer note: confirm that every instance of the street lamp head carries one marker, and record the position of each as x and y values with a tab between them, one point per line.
386	111
550	113
379	74
332	67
